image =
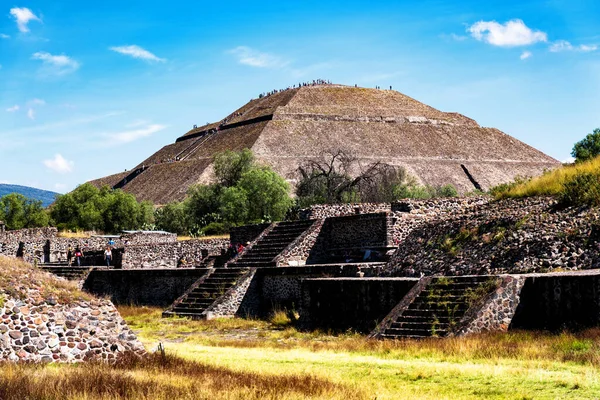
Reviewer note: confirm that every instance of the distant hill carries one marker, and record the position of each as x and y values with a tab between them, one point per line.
45	196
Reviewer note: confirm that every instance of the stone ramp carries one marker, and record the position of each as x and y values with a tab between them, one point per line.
270	245
436	307
205	292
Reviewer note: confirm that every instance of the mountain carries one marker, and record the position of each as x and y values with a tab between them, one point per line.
287	127
45	196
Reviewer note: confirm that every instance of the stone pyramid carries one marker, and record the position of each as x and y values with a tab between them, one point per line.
285	128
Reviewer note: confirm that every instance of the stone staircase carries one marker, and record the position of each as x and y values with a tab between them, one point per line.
194	303
264	251
64	271
437	309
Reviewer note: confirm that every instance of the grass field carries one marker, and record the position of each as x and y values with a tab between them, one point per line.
253	359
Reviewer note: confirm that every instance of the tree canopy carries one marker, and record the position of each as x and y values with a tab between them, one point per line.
587	148
18	212
107	210
245	192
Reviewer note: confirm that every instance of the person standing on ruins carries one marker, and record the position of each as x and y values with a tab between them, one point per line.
108	256
78	256
69	255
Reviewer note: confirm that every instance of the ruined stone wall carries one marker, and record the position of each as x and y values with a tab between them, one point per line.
281	288
298	252
494	312
557	301
155	287
502	237
342	304
166	255
38	330
351	234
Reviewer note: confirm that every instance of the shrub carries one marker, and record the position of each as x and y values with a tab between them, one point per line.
582	189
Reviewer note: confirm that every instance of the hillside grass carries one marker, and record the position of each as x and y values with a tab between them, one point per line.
19	279
552	183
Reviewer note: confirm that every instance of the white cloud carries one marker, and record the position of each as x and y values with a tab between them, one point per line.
569	160
512	33
31	114
564	45
60	187
253	58
137	52
37	102
133	135
23	16
525	55
56	64
59	164
13	109
4	36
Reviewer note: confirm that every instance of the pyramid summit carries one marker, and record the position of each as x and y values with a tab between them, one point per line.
285	128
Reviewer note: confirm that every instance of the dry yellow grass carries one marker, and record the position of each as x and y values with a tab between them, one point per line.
74	235
551	183
17	278
183	238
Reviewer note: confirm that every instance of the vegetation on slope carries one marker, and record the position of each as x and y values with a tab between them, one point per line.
576	184
20	280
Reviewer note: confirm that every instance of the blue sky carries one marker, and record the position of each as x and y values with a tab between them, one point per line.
89	89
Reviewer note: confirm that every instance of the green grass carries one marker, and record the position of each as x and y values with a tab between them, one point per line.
551	183
516	365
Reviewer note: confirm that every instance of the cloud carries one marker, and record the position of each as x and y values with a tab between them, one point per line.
525	55
60	187
137	52
569	160
4	36
512	33
59	164
254	58
563	45
133	135
37	102
59	65
23	16
13	109
31	114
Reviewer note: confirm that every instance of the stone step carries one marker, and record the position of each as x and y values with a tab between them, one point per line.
427	318
414	332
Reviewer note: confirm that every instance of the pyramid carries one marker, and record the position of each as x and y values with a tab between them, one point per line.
288	127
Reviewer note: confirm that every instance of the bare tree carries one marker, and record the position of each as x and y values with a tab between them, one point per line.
338	176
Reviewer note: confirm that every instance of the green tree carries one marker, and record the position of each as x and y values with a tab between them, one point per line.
587	148
229	166
172	218
90	208
268	194
18	212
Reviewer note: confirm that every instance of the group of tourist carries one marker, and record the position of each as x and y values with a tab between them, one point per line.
77	254
316	82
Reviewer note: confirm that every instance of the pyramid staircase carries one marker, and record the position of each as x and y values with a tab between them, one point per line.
264	251
64	271
437	309
196	301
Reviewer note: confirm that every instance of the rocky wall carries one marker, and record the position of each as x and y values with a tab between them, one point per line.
167	255
280	288
495	311
357	304
155	287
502	237
45	331
558	301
